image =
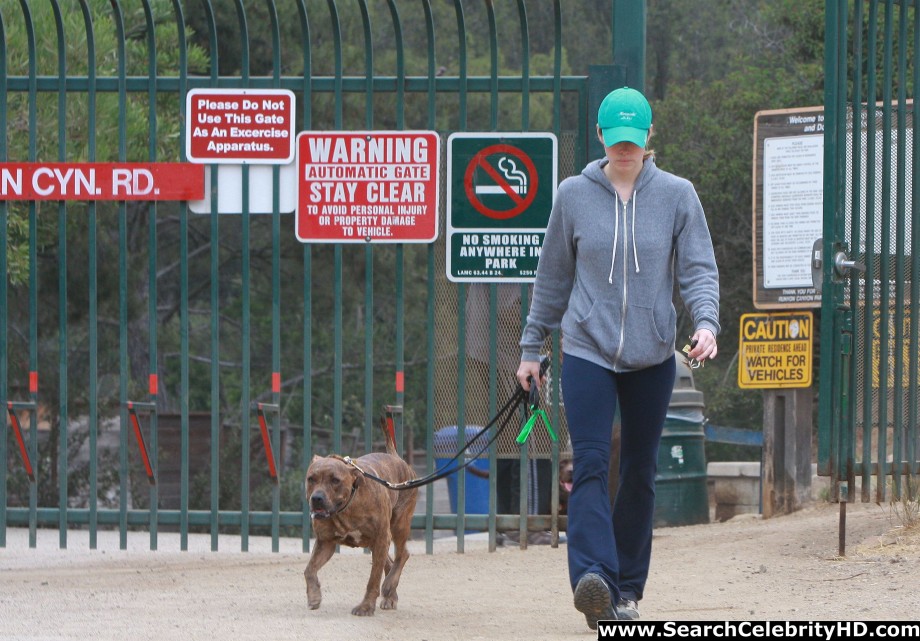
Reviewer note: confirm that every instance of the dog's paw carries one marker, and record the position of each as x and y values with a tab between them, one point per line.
363	610
314	597
388	603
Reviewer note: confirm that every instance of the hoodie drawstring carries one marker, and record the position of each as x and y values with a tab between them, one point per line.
635	253
616	234
616	237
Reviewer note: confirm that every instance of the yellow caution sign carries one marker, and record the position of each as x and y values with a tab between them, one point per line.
775	350
891	341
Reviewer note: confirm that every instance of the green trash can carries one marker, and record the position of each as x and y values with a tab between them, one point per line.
681	490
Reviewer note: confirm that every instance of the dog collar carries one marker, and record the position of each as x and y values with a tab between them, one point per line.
405	485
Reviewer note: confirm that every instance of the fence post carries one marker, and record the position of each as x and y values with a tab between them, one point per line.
629	18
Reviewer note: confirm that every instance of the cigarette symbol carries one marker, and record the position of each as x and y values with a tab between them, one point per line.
517	179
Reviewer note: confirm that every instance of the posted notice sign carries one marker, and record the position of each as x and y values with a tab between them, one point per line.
500	191
775	350
240	126
367	186
788	206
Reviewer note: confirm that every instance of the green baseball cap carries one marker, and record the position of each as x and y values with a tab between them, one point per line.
625	116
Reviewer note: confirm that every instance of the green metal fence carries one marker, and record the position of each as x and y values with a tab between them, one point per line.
217	344
868	428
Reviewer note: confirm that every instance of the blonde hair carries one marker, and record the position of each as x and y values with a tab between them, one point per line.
649	152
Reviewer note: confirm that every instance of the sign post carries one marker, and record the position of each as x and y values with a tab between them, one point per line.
500	191
776	355
367	186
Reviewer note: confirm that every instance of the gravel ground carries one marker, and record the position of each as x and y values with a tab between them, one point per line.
785	568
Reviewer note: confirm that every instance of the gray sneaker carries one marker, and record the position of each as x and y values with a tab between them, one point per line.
592	598
627	609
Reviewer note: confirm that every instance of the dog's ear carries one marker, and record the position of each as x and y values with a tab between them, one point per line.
316	457
357	479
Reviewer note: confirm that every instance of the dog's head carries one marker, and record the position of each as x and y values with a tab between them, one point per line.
565	478
329	486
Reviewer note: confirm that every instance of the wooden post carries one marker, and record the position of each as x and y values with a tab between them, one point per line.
786	464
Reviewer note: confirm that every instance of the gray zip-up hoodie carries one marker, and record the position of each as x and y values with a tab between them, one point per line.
607	269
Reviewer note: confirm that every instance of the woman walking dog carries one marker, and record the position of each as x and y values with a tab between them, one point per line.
620	235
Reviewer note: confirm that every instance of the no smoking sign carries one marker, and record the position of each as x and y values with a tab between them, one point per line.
500	191
501	182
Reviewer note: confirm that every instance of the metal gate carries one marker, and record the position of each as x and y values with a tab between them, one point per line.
165	370
868	433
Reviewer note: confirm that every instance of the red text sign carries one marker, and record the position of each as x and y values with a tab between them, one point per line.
101	181
367	186
240	126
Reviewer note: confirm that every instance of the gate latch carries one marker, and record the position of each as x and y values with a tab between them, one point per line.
842	265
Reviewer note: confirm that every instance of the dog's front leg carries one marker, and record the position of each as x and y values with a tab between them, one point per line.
379	553
322	552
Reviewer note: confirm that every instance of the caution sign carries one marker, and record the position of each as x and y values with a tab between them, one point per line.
500	192
895	340
775	350
367	186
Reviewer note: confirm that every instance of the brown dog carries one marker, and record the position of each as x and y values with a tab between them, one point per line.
349	509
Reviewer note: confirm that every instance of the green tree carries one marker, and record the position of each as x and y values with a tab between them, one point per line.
705	129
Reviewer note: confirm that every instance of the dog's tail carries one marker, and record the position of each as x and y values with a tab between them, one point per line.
389	431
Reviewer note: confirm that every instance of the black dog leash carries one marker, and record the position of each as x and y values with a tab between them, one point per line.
504	416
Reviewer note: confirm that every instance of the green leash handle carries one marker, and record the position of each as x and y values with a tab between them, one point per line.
528	427
535	410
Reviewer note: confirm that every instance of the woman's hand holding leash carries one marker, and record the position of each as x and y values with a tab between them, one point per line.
529	370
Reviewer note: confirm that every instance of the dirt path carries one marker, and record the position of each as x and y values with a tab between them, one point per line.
747	568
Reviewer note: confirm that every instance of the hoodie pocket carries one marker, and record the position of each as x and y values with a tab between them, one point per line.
598	325
649	333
